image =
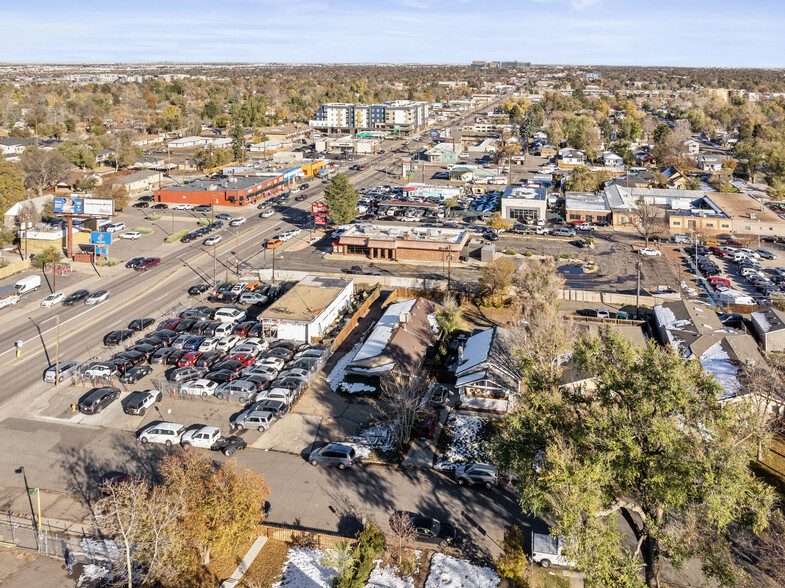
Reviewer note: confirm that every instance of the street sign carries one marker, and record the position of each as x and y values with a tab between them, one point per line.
100	250
320	220
100	238
318	208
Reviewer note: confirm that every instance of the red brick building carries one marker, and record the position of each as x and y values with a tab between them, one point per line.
401	243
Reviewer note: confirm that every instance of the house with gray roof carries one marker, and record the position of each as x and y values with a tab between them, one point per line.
769	327
710	163
487	375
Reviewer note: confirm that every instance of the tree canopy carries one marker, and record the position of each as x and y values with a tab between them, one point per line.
649	441
12	185
341	200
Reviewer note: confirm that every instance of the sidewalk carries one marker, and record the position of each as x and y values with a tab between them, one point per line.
59	511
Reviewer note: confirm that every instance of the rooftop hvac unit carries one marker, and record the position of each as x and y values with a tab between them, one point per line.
406	317
395	231
212	187
753	216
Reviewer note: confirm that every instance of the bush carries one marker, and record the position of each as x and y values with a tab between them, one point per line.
565	256
153	217
528	254
176	236
513	563
106	262
203	222
510	252
143	230
370	543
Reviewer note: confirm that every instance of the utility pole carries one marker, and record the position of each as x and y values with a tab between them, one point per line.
638	290
27	228
57	351
449	271
215	263
237	252
273	267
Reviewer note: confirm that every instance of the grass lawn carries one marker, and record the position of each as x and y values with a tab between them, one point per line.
267	568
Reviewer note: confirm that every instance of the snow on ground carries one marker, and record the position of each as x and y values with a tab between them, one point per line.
337	374
92	573
450	572
380	436
466	444
387	577
355	387
303	570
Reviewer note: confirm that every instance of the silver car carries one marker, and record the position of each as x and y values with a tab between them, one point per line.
477	473
334	454
254	419
252	298
67	369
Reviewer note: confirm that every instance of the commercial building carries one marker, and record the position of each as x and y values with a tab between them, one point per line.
400	340
225	191
400	243
346	145
398	116
769	327
526	205
443	153
307	310
587	206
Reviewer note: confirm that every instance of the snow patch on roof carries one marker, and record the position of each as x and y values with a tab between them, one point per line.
476	350
715	361
381	334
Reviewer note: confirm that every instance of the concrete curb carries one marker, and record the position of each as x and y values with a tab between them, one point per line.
245	563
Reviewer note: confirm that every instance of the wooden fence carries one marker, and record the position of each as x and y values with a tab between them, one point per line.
406	293
361	312
304	536
12	268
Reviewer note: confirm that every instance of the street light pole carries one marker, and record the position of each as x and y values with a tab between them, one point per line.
237	252
215	263
57	352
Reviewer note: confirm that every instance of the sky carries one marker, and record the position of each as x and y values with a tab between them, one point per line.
717	33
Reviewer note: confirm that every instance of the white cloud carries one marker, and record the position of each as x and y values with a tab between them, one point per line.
576	4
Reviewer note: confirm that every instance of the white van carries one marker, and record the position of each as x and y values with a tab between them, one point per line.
114	227
28	284
229	314
167	433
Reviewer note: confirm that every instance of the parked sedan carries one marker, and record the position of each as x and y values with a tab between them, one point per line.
148	263
428	530
200	387
252	298
208	358
189	359
478	474
97	297
765	254
72	299
97	399
141	324
53	299
175	356
133	375
184	374
649	251
115	337
198	289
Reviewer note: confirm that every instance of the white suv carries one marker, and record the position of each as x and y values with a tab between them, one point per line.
115	227
165	432
200	387
204	437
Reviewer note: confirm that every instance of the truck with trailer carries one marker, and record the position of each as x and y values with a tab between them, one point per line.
9	295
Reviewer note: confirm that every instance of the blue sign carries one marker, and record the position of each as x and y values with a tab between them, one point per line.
99	238
68	205
435	134
100	250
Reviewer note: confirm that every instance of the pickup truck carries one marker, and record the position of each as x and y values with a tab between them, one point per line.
9	295
211	438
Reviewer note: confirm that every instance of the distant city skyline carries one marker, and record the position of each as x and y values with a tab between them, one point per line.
703	33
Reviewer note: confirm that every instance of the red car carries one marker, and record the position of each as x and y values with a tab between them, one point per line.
189	359
244	358
717	280
243	328
733	243
168	324
719	252
576	223
148	263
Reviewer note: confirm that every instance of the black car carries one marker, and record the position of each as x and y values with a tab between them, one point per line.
428	530
145	350
184	326
97	399
187	238
200	327
141	324
116	337
193	313
160	205
282	352
229	364
134	262
228	445
198	289
355	269
160	356
165	335
133	375
222	376
72	299
142	205
153	342
175	356
209	358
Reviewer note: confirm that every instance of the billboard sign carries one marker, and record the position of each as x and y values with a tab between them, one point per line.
320	220
98	207
318	208
99	238
91	206
68	205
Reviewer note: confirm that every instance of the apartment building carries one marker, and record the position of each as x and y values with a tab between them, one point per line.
398	116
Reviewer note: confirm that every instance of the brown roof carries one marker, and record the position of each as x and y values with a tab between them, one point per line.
306	300
741	206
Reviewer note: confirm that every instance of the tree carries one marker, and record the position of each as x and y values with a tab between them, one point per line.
538	284
606	128
450	319
340	558
12	184
449	204
238	141
211	158
43	168
341	200
404	396
113	191
400	539
49	255
497	223
649	220
496	276
583	180
223	504
752	153
125	150
649	441
79	153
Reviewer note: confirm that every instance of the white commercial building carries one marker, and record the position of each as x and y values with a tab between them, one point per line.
404	116
306	311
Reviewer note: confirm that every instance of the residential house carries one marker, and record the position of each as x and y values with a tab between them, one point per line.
569	158
769	327
692	146
674	178
141	181
610	159
710	163
695	331
487	375
400	340
10	146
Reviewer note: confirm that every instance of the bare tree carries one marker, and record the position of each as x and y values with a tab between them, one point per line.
541	344
400	540
43	168
649	221
537	283
403	396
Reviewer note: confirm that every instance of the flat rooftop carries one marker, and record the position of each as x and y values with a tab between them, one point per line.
524	192
411	233
590	201
306	300
742	206
216	185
